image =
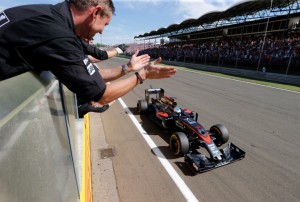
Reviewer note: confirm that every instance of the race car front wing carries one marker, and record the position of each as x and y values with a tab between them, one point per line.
200	163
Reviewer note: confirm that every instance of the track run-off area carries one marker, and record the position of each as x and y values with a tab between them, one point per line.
263	121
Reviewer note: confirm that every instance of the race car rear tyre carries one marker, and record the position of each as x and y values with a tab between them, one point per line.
142	106
221	134
179	143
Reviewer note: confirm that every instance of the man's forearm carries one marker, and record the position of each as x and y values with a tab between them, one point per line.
93	60
118	88
112	53
110	74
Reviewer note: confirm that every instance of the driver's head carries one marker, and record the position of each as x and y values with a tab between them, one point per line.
177	110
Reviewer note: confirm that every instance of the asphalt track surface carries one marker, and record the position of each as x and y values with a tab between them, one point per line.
262	121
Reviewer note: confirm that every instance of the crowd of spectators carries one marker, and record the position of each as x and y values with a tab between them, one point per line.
276	52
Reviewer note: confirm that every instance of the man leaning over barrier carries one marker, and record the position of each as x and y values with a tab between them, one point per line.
48	37
98	55
134	64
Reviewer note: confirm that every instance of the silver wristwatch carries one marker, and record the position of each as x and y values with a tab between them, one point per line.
125	69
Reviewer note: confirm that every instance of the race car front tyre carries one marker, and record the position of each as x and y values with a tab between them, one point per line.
221	134
179	143
142	106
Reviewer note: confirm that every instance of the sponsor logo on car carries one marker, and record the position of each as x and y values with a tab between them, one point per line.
222	164
180	125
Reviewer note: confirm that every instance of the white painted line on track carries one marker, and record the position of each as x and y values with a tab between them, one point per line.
187	193
248	82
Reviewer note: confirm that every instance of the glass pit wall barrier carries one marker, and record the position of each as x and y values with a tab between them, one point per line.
44	148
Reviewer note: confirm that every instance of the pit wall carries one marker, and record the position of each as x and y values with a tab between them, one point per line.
44	146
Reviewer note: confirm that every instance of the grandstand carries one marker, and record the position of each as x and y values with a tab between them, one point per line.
250	35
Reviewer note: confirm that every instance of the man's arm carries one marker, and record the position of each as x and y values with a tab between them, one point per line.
110	53
119	88
93	51
135	64
96	54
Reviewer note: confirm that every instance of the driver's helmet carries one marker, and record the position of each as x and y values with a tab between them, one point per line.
177	110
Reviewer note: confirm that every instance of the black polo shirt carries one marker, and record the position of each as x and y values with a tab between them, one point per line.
94	51
41	37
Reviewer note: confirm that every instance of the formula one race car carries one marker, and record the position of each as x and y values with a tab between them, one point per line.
188	135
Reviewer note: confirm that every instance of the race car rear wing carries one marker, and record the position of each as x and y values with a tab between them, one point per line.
159	92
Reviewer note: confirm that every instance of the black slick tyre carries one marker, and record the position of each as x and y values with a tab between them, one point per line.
142	106
179	143
221	134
